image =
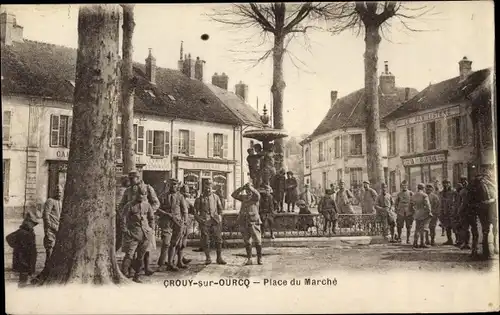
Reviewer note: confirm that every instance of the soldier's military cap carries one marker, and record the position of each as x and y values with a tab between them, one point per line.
446	180
383	185
429	186
366	182
133	173
404	182
420	186
289	172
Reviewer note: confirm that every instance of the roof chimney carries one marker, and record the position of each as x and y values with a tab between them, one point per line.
387	80
180	62
189	67
151	67
407	93
465	68
333	98
10	31
198	68
241	89
220	80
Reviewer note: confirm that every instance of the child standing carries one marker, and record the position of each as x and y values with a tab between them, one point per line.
23	241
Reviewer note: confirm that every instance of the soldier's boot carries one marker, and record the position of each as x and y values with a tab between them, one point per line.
415	240
248	248
147	268
186	260
433	238
180	262
427	240
136	266
259	254
465	240
170	263
486	247
127	262
449	240
163	256
399	230
272	233
208	259
333	227
423	237
220	261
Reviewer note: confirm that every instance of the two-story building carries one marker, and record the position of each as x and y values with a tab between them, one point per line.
336	150
432	134
183	127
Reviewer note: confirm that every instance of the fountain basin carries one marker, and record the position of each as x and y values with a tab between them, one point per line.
266	134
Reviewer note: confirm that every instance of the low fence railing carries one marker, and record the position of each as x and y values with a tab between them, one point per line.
288	225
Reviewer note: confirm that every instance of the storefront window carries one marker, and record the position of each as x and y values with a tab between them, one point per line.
436	173
192	181
415	175
220	183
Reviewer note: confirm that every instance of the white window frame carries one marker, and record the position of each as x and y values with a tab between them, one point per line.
410	139
61	142
352	146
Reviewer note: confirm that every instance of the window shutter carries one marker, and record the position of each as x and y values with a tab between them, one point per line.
7	122
210	145
408	139
191	143
450	127
167	143
140	140
134	135
425	137
345	145
70	127
175	143
54	130
465	134
149	142
395	143
438	134
389	144
225	146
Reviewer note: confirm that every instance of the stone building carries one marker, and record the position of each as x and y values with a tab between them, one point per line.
183	127
336	150
432	134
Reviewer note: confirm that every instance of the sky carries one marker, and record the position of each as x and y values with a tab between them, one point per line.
327	62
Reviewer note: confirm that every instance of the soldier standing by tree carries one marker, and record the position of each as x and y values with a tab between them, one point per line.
51	216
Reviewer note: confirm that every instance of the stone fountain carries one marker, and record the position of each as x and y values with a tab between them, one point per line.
261	157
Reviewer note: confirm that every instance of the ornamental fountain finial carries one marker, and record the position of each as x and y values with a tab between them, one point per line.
265	117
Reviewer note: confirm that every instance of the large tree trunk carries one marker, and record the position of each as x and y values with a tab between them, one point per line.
127	90
373	160
84	251
277	90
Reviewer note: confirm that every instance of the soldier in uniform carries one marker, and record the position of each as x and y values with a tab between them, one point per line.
208	212
128	196
171	223
422	216
369	197
383	205
137	226
266	210
328	209
435	209
188	210
464	215
279	189
404	211
249	220
343	201
291	191
51	216
447	201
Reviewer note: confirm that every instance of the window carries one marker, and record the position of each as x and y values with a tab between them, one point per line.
356	144
59	130
458	169
158	143
7	117
432	135
392	181
410	139
307	158
6	176
185	142
218	145
356	175
321	150
392	143
339	175
457	131
337	147
139	139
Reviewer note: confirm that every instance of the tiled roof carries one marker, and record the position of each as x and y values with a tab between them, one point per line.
237	106
45	70
349	111
446	92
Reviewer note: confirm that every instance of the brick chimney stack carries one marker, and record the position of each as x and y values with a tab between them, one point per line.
10	31
220	80
180	62
241	89
198	68
465	68
333	98
387	80
407	93
151	67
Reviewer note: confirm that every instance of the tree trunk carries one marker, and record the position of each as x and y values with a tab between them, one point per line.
84	251
277	90
374	162
127	109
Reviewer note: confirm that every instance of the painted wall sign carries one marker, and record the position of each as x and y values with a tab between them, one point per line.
430	116
62	154
434	158
204	166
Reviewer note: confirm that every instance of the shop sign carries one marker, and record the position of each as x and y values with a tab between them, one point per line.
430	116
204	166
426	159
62	154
